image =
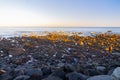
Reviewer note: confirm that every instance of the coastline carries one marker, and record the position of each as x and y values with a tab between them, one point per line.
59	56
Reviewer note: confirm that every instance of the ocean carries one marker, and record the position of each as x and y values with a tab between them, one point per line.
17	31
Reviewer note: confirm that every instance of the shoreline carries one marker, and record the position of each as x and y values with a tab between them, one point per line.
58	56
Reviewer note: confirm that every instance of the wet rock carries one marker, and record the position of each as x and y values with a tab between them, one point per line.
116	73
100	77
52	78
22	77
76	76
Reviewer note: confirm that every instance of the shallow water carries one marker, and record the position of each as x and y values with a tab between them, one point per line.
9	32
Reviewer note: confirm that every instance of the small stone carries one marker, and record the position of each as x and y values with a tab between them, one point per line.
10	56
93	56
69	48
2	72
1	51
13	41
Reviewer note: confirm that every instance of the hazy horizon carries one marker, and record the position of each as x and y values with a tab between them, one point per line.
62	13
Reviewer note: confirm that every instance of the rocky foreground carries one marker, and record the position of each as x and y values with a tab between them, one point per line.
60	57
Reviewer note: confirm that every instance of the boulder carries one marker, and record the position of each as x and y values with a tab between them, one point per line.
116	73
76	76
100	77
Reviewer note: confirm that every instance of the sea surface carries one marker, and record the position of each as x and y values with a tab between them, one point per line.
17	31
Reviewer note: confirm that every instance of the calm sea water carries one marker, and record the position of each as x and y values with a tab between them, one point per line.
9	32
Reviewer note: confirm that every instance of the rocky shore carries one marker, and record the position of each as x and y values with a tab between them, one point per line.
60	57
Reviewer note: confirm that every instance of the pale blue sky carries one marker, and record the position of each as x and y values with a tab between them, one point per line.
60	13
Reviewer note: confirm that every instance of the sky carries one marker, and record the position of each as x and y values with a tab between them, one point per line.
60	13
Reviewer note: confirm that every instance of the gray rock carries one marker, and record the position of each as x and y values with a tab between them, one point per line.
22	77
116	73
76	76
100	77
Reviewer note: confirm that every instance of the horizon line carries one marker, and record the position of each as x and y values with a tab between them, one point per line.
58	26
